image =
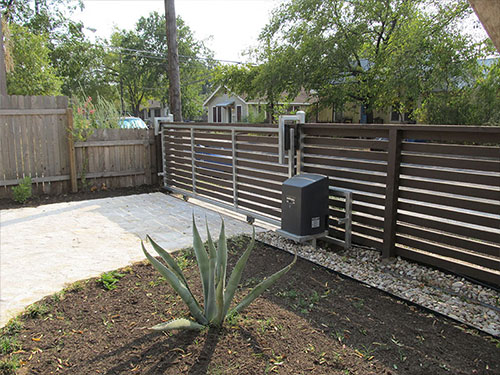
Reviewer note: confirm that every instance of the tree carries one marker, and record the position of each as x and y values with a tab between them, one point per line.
33	73
376	53
173	61
139	62
272	81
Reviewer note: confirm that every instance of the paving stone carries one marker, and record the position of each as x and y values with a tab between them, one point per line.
44	248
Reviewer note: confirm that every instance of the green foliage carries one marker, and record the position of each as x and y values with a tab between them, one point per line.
379	54
8	344
33	73
13	327
217	294
37	310
89	115
144	75
23	191
9	366
477	103
110	279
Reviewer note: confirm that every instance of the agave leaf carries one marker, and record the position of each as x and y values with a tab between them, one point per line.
235	277
171	263
219	299
262	286
221	264
202	259
178	324
178	286
210	304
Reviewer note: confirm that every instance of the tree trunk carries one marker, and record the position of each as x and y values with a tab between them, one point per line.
173	61
3	74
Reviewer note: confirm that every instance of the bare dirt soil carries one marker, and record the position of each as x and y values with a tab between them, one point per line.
39	200
311	322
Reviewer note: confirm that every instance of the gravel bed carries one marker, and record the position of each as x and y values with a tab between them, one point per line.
447	294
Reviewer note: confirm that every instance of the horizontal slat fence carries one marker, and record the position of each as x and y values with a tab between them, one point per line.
427	193
33	142
236	166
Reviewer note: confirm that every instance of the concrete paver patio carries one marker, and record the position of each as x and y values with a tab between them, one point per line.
43	248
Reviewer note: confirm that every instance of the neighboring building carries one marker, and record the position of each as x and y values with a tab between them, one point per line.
356	114
153	109
226	107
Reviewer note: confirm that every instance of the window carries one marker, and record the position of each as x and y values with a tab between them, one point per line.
219	114
229	115
394	116
214	114
157	112
238	113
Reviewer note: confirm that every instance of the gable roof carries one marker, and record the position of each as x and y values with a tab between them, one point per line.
217	90
302	98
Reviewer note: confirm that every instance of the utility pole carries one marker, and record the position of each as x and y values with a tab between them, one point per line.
173	61
3	74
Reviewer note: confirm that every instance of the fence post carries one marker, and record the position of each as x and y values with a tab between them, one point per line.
72	156
392	190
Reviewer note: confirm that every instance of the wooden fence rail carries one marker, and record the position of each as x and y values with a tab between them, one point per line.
34	142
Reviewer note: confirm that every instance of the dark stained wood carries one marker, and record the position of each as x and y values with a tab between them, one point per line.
259	139
459	230
440	237
466	256
268	167
357	239
260	174
267	184
452	214
259	199
457	176
354	175
449	162
273	194
459	202
353	164
391	198
452	188
258	148
461	268
447	149
257	156
260	209
360	144
346	153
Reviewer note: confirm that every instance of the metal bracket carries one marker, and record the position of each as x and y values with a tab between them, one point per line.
347	220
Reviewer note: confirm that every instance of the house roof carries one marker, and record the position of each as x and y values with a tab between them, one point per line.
303	98
217	90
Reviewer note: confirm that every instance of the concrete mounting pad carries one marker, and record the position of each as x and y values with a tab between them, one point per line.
44	248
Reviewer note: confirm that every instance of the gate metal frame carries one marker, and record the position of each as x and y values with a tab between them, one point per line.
295	164
234	131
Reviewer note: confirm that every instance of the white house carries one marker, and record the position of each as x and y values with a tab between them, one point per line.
227	107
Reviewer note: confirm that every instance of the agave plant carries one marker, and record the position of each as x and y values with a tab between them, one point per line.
217	294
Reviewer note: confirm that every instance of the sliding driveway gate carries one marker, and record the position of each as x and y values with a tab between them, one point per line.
426	193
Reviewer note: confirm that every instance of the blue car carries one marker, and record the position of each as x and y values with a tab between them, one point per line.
131	123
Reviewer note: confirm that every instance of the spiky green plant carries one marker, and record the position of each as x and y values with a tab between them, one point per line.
217	294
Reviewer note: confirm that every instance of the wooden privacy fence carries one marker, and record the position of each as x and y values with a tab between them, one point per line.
426	193
34	142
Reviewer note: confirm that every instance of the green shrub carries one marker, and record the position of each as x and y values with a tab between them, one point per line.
213	267
22	191
109	279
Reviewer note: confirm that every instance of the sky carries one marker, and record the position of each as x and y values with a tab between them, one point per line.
227	27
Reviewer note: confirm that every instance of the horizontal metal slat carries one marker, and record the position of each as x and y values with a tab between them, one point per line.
344	153
451	188
448	162
353	164
457	176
